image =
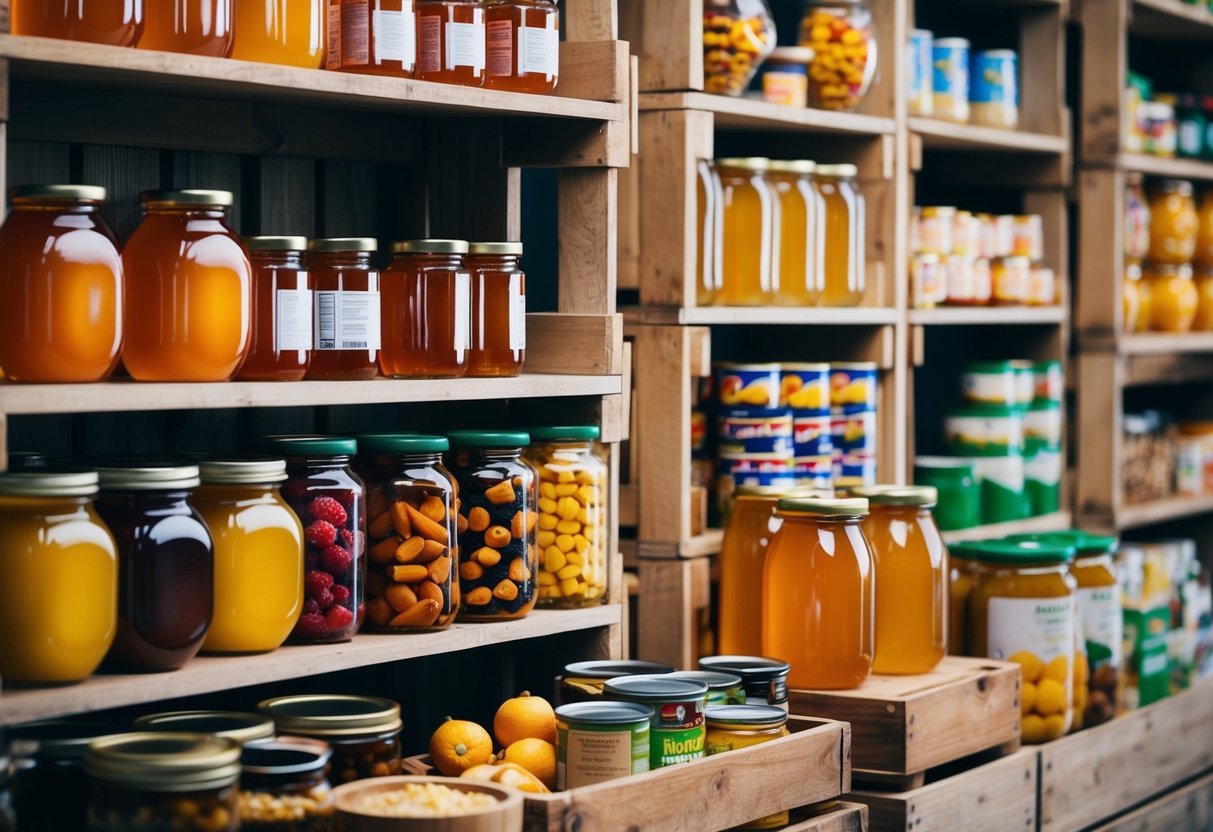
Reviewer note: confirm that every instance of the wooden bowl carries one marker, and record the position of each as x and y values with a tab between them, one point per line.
506	816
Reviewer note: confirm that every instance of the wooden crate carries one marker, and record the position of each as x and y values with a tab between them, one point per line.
811	765
902	726
995	797
1188	807
1098	773
835	816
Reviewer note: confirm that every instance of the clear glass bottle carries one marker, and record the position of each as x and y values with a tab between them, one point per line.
280	346
523	46
843	248
843	39
363	731
196	27
750	225
426	310
498	321
346	309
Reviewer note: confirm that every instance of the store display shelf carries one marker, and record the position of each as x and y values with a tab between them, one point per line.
1045	523
946	135
1171	19
1171	168
1153	343
1161	511
982	315
753	114
207	674
750	315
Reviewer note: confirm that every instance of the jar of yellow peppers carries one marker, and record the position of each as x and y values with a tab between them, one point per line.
738	35
844	45
572	535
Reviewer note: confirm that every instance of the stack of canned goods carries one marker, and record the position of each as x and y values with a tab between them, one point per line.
853	423
948	83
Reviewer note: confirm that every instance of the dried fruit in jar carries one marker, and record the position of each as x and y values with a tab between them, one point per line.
737	37
844	54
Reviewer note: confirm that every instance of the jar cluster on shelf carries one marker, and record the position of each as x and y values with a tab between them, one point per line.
1166	457
188	300
962	258
241	554
1166	124
948	83
500	44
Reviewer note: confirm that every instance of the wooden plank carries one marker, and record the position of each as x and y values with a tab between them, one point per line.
591	20
668	39
1152	343
36	163
574	344
286	196
985	316
666	630
212	170
1099	488
596	70
1189	807
945	135
346	209
841	816
1167	369
125	172
588	246
751	113
1105	62
1139	515
1171	19
1042	49
1033	525
699	545
765	315
1098	311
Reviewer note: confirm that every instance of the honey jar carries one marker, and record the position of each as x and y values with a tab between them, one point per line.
523	45
196	27
285	32
346	336
498	316
451	41
280	346
375	37
426	310
95	21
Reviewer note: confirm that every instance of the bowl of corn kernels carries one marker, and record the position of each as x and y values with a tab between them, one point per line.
427	804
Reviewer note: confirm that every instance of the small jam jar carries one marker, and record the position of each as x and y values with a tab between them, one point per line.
523	45
374	39
258	554
347	330
188	308
426	309
54	542
451	41
284	786
328	498
412	580
280	347
498	332
364	731
165	563
241	727
50	789
153	781
61	320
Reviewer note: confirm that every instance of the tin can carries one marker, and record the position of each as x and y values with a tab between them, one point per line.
989	382
748	385
997	428
677	728
737	425
764	680
699	433
600	741
805	387
740	726
950	78
1042	286
853	383
995	89
814	472
853	429
1042	421
921	100
1025	381
723	688
935	227
811	434
854	470
1010	276
1048	381
966	234
583	681
1027	237
759	445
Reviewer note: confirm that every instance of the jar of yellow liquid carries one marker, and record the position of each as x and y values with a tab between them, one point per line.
801	214
962	578
61	563
843	267
1174	298
749	266
259	580
709	227
286	32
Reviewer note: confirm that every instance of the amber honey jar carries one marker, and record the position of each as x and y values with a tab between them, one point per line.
426	309
62	316
286	32
280	346
523	45
377	37
451	42
95	21
188	302
346	321
498	327
196	27
844	278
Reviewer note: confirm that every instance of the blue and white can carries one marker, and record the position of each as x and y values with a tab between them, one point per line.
918	55
995	89
950	78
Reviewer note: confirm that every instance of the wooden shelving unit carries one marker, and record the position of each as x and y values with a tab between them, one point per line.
1033	525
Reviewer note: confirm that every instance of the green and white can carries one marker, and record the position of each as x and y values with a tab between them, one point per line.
678	730
600	741
1000	473
989	382
1042	477
1025	382
1042	421
993	429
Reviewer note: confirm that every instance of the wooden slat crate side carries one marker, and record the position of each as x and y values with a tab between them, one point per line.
840	817
1126	761
1190	807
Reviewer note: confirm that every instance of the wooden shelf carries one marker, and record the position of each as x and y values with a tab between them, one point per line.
977	316
1155	343
1045	523
1171	19
1171	168
748	113
946	135
207	674
774	315
702	545
1161	511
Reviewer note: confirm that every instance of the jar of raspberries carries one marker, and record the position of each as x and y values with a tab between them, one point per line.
329	498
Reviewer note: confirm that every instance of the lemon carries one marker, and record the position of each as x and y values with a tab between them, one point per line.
1027	697
1058	669
1032	728
1050	697
1030	663
1055	726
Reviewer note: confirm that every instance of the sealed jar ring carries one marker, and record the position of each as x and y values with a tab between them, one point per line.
241	727
364	731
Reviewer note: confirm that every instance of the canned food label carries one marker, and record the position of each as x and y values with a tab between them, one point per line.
853	387
589	756
789	89
1102	624
994	79
678	733
755	388
395	36
991	388
1043	467
807	390
1042	627
347	321
538	50
811	436
517	313
465	46
951	72
293	320
332	55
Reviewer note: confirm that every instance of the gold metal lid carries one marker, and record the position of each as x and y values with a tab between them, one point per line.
49	482
754	163
430	247
835	507
495	248
164	762
797	166
276	243
897	495
115	476
80	193
779	491
338	244
332	715
249	471
838	171
233	725
189	196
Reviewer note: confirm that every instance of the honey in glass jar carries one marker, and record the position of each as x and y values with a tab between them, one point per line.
1173	222
426	309
196	27
95	21
1174	298
1204	231
1203	322
280	347
286	32
62	316
709	225
188	293
346	317
498	309
375	37
842	246
451	42
750	221
800	215
523	45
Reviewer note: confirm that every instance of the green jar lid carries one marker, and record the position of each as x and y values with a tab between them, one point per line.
401	443
655	688
1042	366
308	445
988	367
587	433
963	550
897	495
831	507
746	716
605	713
1085	544
489	438
1023	552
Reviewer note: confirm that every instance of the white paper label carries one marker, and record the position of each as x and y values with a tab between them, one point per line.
465	46
347	321
395	36
1102	620
463	312
517	314
1041	626
293	320
538	50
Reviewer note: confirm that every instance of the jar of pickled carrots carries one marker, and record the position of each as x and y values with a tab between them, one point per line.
1022	610
345	285
523	45
1203	322
95	21
749	221
1174	298
188	302
573	486
259	590
800	214
498	317
911	571
62	316
426	310
280	346
280	32
375	37
843	266
451	41
165	563
197	27
1173	222
52	540
709	227
498	496
819	593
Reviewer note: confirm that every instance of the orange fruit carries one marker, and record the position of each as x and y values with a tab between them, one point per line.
524	717
458	745
536	756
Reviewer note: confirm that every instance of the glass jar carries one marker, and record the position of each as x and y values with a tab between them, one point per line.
498	552
363	731
196	27
730	727
373	37
329	500
258	554
152	782
451	41
426	310
54	541
1137	219
764	681
165	563
738	35
1027	237
1022	610
50	789
280	32
1203	322
346	288
1173	222
842	242
574	484
1204	231
1009	277
523	45
284	786
819	593
498	316
962	577
280	346
188	292
412	580
241	727
709	225
1174	298
1136	306
749	223
62	316
843	40
743	554
800	215
1190	126
95	21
